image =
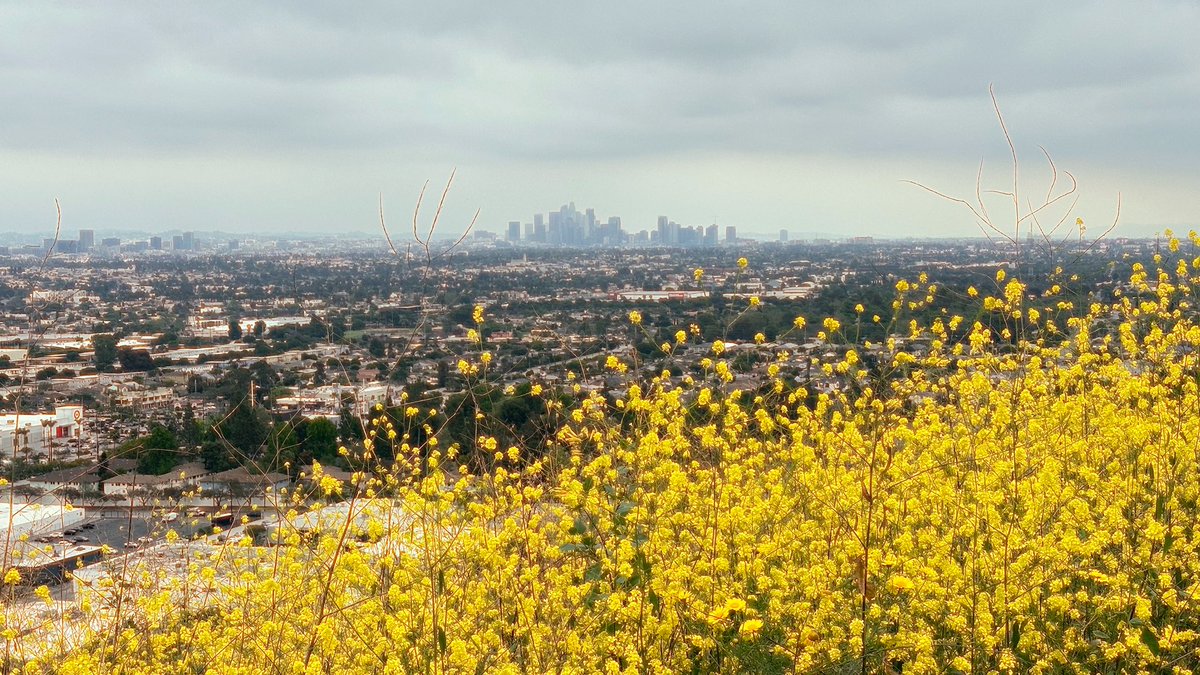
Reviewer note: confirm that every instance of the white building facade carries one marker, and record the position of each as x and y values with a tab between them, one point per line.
39	433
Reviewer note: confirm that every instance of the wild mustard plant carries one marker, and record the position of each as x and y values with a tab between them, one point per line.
1011	491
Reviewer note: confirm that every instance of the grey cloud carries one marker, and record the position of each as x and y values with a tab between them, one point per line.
742	76
540	82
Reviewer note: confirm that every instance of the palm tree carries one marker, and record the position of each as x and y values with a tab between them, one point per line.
48	437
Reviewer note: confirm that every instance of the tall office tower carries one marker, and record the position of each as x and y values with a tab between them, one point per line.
688	236
539	231
664	236
514	230
672	234
156	243
528	231
710	235
730	233
189	241
589	226
539	222
783	235
615	235
87	240
177	242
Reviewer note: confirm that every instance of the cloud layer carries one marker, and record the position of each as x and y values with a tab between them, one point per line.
294	116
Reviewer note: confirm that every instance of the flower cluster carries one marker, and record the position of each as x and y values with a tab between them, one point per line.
1021	495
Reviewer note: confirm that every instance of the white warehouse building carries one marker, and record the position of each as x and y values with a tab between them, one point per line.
35	519
39	433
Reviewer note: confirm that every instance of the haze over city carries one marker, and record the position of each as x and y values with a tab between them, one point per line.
296	118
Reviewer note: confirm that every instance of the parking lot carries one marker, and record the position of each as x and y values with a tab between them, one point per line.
122	530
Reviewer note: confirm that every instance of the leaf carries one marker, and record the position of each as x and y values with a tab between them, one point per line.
579	526
1150	640
655	601
593	573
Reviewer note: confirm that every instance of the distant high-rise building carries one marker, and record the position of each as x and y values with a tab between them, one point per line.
189	241
177	242
710	235
514	230
612	232
110	242
783	235
730	233
528	231
48	244
87	240
156	243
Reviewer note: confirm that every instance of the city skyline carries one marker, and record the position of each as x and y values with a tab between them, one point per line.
296	118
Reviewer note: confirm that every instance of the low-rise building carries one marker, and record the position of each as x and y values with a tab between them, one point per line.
79	478
141	399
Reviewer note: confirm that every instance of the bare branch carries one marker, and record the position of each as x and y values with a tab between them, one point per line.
437	215
417	212
383	225
1012	149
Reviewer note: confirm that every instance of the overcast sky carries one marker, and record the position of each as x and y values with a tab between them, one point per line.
805	116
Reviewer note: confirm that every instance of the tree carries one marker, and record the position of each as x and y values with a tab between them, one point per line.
320	439
160	452
215	454
235	329
283	449
189	428
133	360
376	347
349	426
105	351
246	429
260	327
